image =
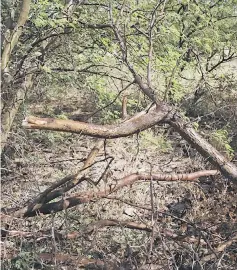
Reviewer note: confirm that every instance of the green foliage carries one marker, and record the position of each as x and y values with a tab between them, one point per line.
184	31
155	142
105	96
177	92
195	125
49	139
187	37
23	261
220	139
48	14
62	116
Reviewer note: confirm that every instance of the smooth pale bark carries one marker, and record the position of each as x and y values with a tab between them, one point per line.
139	122
10	106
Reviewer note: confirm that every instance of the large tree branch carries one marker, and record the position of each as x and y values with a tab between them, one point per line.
139	122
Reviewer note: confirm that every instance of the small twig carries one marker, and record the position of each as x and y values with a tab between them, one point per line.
53	240
152	218
220	248
104	172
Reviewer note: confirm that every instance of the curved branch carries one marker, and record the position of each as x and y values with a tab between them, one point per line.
143	120
139	122
158	113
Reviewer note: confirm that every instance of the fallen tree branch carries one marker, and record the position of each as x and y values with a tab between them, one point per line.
137	123
77	261
209	152
93	227
61	258
86	197
67	182
143	120
112	223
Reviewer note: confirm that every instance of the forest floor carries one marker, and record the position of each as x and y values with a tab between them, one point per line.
189	220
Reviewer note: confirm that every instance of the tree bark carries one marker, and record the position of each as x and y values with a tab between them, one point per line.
87	197
12	99
11	108
209	152
15	34
137	123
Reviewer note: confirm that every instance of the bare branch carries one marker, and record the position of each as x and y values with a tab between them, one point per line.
86	197
219	249
95	26
66	183
227	168
87	70
112	102
137	123
150	37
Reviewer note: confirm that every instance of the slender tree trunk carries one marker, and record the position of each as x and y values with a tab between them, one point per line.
12	98
9	46
11	107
